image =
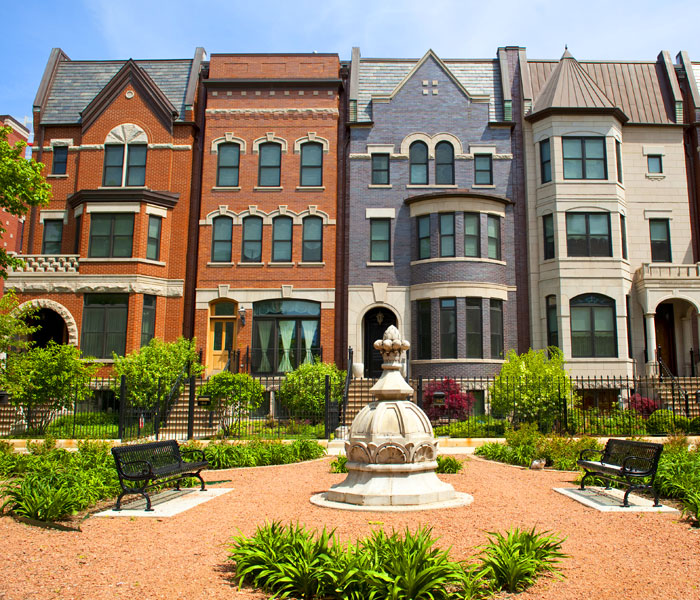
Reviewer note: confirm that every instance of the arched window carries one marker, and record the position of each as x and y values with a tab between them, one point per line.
125	156
269	164
444	164
227	165
418	157
311	164
593	331
282	239
312	242
221	239
252	240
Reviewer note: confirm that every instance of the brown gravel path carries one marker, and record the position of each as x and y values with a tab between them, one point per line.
614	556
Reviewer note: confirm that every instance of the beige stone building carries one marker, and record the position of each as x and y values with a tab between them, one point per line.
613	280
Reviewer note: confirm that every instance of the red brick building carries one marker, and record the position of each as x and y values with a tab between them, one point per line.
14	226
266	257
106	259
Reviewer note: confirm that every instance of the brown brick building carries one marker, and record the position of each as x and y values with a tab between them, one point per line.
105	260
266	258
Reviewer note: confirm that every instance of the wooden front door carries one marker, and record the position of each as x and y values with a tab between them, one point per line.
665	336
376	322
222	333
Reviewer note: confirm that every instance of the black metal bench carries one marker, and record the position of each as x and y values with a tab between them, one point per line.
144	466
625	462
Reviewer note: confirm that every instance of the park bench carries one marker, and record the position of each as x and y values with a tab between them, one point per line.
626	462
144	466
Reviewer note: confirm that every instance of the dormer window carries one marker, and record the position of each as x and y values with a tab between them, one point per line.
125	165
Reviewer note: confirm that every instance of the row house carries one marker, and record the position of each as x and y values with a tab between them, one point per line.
105	259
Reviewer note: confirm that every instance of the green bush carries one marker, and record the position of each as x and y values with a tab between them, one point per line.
474	427
614	423
232	396
339	464
303	391
664	421
449	465
227	455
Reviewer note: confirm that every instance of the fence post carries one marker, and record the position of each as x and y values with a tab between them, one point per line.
122	406
419	393
327	424
156	421
75	410
190	409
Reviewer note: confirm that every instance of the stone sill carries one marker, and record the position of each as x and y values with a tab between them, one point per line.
250	264
311	188
311	264
226	189
378	186
57	176
220	264
267	189
145	261
281	264
492	261
380	264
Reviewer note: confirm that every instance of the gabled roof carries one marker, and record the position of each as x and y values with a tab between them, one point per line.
639	89
569	88
381	77
130	74
76	83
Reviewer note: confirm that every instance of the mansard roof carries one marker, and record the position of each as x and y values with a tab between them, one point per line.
75	84
641	91
384	76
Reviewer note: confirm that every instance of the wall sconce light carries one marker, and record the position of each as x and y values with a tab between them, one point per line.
241	316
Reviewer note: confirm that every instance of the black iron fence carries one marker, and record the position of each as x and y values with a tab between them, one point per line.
457	407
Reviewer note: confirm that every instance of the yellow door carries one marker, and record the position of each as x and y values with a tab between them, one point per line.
222	334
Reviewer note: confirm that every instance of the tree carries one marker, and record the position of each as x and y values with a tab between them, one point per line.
15	327
456	403
21	185
532	387
43	381
231	397
153	371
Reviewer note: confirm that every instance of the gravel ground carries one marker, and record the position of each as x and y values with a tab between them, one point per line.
613	556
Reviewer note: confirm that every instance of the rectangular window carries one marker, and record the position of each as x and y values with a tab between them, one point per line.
380	169
618	160
552	323
425	328
447	234
136	164
228	160
221	239
311	164
380	240
654	164
53	236
496	314
113	165
111	235
60	160
545	161
269	165
593	332
588	234
252	240
312	240
494	235
623	235
148	319
548	227
628	308
282	239
423	226
448	328
78	231
104	324
472	234
584	158
660	240
483	169
153	247
474	328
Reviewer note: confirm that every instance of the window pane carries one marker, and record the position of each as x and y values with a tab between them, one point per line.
418	154
573	169
252	228
224	309
114	156
311	176
419	174
548	226
448	328
222	228
311	246
471	235
311	252
228	155
60	158
380	169
447	238
424	329
595	169
124	224
282	251
572	148
595	148
654	164
423	226
380	229
227	177
252	252
494	237
496	315
269	177
282	229
270	155
474	325
136	171
53	234
221	252
444	164
137	155
311	155
153	248
444	174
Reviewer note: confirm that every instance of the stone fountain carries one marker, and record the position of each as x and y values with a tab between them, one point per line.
391	449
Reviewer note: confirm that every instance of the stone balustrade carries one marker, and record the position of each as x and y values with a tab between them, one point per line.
49	263
668	271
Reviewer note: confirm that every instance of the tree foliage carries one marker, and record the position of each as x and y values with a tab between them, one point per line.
532	387
21	185
15	323
43	381
232	396
457	404
152	371
303	391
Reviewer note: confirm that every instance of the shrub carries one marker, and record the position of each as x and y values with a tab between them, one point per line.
225	455
39	500
480	427
532	387
449	465
303	392
231	397
616	422
457	404
664	421
152	371
643	405
339	464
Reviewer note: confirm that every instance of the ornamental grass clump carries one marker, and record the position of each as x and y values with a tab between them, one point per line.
228	455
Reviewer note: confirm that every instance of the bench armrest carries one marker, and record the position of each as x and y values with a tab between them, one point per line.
148	470
583	455
193	451
625	469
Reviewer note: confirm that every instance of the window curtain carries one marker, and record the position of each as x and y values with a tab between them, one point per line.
286	334
309	328
264	331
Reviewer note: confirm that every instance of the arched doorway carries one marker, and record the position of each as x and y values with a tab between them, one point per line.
675	327
375	324
51	328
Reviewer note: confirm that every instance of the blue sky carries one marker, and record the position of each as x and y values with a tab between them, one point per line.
121	29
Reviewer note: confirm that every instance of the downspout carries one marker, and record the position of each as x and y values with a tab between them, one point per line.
33	209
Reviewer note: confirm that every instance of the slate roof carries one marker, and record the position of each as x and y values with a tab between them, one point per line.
382	76
77	82
637	88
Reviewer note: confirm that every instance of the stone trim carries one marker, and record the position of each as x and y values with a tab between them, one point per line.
311	137
53	214
459	289
246	296
113	207
60	142
658	214
129	284
127	133
282	210
431	142
269	137
227	138
145	261
65	314
157	211
380	213
275	112
457	204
